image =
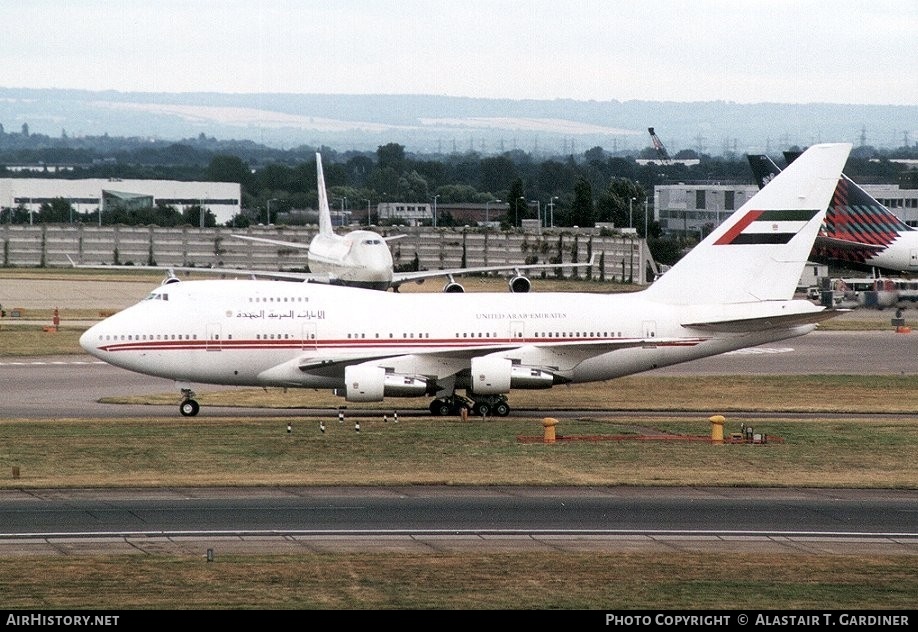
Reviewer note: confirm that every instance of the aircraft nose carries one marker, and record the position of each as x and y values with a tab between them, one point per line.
89	340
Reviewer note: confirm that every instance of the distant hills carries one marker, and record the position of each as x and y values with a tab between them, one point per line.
440	124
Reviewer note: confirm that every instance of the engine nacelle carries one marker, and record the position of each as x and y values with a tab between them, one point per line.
491	375
453	288
364	383
520	284
530	378
495	376
397	385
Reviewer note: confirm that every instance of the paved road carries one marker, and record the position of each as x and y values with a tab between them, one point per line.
438	519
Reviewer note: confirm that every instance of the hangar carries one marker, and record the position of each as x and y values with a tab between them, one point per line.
223	199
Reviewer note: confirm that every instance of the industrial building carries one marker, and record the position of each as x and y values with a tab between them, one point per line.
695	209
223	199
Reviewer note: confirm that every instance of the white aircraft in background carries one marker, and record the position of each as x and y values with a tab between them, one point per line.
361	258
733	290
858	229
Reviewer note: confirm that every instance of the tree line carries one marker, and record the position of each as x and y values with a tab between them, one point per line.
595	186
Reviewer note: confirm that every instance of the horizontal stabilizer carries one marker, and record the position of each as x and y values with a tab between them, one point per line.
761	323
846	244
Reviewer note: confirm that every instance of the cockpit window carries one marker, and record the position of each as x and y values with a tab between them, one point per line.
372	242
157	296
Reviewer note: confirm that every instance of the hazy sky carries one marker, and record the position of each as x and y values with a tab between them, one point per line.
788	51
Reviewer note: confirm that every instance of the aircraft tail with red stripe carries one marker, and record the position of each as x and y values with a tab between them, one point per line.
759	252
858	229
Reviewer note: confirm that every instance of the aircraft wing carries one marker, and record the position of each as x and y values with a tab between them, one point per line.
297	244
275	242
762	323
400	278
233	272
440	364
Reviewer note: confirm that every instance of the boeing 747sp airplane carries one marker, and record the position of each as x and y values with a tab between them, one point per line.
360	258
733	290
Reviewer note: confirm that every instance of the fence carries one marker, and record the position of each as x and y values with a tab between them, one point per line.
617	257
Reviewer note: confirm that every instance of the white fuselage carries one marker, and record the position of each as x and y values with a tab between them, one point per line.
360	258
901	254
274	333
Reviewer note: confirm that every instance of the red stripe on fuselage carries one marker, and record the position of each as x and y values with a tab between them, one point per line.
403	346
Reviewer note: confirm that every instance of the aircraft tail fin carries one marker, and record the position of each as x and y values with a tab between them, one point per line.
759	252
325	223
856	216
856	226
764	168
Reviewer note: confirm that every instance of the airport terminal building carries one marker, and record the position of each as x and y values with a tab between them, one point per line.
223	199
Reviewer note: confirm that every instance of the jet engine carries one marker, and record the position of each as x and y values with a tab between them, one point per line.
453	287
520	284
494	376
365	383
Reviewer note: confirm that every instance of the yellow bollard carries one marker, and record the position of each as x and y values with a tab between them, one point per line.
549	423
717	428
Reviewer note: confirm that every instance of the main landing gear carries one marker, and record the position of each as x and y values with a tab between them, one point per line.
188	407
482	406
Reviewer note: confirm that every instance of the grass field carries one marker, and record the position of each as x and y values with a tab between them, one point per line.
596	581
433	451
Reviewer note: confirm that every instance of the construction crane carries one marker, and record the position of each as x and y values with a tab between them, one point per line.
658	145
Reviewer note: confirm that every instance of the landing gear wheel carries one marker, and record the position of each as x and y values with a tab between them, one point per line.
483	409
189	408
440	407
502	409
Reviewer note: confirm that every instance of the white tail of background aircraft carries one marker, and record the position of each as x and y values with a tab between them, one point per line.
734	290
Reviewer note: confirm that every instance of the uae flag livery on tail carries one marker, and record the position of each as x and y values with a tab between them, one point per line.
767	227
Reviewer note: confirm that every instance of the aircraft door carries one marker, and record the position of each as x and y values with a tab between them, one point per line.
649	329
517	329
913	259
214	341
308	336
